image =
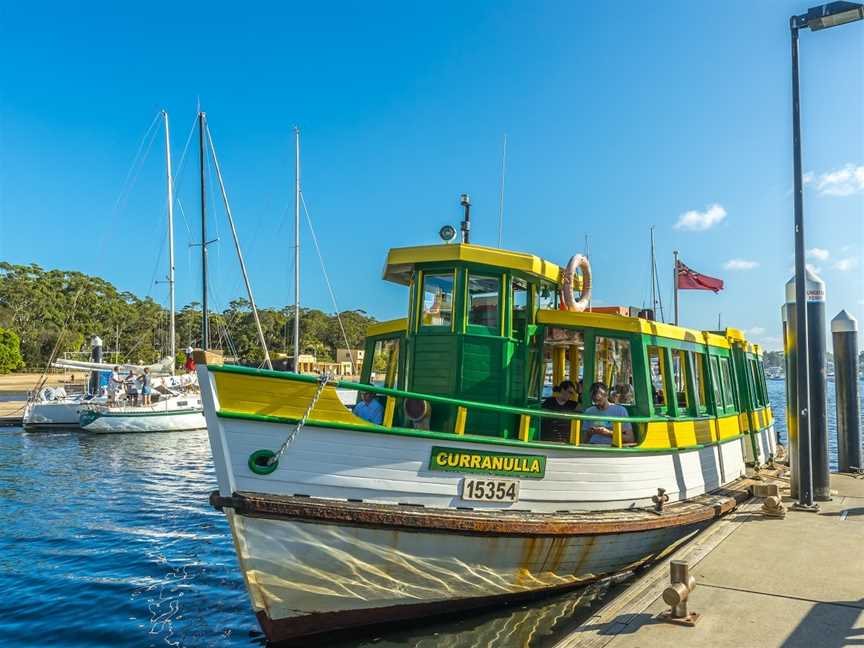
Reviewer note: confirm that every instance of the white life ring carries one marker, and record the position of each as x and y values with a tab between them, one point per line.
580	262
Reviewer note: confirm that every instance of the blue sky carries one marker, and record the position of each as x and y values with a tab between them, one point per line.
618	117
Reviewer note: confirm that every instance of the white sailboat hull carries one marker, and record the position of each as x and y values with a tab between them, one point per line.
175	415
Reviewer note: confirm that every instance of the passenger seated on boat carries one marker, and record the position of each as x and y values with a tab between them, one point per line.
369	409
600	432
558	430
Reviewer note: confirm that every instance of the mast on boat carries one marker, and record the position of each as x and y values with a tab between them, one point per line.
296	249
205	326
258	328
171	344
656	297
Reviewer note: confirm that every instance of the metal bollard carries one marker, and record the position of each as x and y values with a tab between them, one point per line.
678	592
844	334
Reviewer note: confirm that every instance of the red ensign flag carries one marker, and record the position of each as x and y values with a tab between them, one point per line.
690	280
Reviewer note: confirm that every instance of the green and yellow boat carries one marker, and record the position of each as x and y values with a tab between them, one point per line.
459	497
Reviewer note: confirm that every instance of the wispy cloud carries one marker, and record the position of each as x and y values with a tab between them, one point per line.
740	264
820	254
808	177
756	330
845	265
699	221
845	181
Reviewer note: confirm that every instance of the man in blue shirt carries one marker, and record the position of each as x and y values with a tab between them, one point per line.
600	432
369	408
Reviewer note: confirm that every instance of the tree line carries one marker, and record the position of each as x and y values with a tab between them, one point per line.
61	310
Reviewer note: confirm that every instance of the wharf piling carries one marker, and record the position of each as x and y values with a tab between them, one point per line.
844	336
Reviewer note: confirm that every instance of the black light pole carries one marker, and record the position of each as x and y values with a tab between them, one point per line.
817	18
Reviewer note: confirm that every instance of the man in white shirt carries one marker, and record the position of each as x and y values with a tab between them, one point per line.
600	432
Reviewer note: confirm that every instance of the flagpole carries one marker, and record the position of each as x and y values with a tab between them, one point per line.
675	274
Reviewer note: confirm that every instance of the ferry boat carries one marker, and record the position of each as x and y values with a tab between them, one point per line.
457	498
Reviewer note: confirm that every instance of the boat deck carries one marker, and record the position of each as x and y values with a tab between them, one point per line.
760	582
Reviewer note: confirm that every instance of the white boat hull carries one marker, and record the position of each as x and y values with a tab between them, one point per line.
56	414
177	414
306	574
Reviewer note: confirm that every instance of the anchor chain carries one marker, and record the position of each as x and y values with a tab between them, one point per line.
322	382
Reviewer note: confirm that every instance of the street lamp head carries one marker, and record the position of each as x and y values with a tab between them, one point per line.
831	15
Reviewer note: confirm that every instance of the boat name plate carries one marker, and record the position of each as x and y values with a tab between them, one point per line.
463	460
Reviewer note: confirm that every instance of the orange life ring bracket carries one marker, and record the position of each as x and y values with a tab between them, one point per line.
568	279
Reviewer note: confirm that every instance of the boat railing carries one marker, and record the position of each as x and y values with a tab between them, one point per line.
463	407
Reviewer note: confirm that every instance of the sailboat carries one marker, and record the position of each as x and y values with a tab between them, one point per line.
176	403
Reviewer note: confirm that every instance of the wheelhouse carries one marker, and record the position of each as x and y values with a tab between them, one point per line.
484	326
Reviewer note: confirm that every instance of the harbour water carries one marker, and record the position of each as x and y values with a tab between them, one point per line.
109	541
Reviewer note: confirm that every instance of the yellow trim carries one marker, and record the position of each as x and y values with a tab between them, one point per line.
400	261
617	432
558	365
524	427
391	326
461	415
277	397
389	410
453	303
629	325
575	426
575	363
421	291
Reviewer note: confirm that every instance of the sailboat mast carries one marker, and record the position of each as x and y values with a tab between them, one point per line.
171	343
205	326
297	250
653	283
245	274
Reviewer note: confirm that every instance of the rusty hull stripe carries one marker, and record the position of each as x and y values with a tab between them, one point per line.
309	509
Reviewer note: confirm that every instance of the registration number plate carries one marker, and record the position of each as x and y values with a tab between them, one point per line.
490	490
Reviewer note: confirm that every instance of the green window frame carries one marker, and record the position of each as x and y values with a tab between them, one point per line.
728	381
479	284
520	313
428	317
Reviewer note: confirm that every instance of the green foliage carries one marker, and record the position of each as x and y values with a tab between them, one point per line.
40	305
773	360
10	352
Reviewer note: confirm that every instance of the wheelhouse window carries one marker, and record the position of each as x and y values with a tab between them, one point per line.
613	366
437	300
385	363
656	370
758	385
715	384
483	301
520	307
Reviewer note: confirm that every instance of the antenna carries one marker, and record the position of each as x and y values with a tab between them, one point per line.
501	198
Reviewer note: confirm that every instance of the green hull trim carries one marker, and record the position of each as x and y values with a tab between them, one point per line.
88	417
468	438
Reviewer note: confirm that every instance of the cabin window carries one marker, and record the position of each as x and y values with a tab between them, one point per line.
726	377
613	366
546	295
385	363
437	299
520	307
655	369
699	376
758	391
483	301
679	379
715	383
